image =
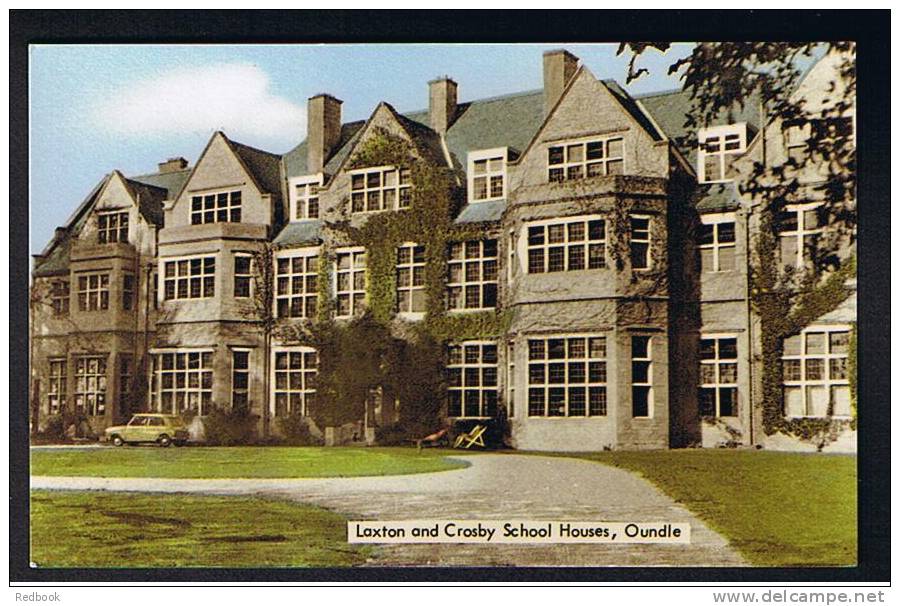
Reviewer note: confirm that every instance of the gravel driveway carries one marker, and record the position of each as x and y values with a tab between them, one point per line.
494	486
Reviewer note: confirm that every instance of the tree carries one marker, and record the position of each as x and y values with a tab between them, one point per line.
723	76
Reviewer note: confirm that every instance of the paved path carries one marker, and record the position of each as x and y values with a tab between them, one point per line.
494	486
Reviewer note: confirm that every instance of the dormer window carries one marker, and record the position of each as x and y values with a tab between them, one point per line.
590	158
112	227
718	148
381	188
487	174
221	207
305	197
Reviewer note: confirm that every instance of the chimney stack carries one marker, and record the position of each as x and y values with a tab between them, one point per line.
173	165
559	67
441	104
323	130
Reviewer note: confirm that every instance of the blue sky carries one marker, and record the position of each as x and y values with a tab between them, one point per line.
98	108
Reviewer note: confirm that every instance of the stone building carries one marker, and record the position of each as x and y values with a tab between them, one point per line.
617	255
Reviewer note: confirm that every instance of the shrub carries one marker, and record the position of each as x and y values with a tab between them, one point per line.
57	425
230	427
295	431
394	435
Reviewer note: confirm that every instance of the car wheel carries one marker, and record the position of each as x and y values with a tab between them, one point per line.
164	440
117	441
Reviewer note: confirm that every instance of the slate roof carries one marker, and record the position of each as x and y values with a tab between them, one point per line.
295	160
150	199
670	109
264	166
54	259
718	197
481	212
299	233
172	182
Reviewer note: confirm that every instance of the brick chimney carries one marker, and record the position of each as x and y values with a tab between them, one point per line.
173	165
559	67
441	104
323	130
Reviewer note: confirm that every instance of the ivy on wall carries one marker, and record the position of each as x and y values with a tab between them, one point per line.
784	310
428	222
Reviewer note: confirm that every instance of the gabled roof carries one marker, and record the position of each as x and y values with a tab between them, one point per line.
299	233
171	181
54	259
670	110
718	197
295	160
263	166
149	199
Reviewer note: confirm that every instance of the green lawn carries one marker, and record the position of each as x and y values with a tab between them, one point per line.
237	462
776	508
129	530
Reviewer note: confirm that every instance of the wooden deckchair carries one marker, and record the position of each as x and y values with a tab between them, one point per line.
474	437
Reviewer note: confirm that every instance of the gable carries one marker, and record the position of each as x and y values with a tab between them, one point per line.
220	169
588	109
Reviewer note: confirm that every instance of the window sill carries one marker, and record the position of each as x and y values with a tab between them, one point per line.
471	310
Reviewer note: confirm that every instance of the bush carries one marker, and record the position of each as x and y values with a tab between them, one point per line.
394	435
230	428
55	429
295	431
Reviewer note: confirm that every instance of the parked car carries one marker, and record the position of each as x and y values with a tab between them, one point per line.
165	430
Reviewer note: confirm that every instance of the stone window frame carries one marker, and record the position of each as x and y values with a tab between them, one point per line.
458	289
204	371
729	141
60	296
585	244
487	158
582	163
57	384
93	291
468	369
644	240
242	281
206	277
306	280
214	205
305	372
511	379
716	220
799	214
645	384
91	384
355	294
595	369
800	362
797	133
241	372
129	291
716	363
362	189
305	195
406	291
112	226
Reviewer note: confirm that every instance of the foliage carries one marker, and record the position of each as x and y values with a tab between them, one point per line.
294	429
723	79
114	530
236	427
366	353
754	499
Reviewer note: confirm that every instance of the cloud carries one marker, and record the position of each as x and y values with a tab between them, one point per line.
234	97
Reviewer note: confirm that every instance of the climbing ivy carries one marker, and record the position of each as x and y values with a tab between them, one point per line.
428	222
784	310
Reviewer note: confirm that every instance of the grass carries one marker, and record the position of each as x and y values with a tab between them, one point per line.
115	530
778	509
237	462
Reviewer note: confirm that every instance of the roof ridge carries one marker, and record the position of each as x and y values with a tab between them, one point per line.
671	91
251	148
157	173
486	99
